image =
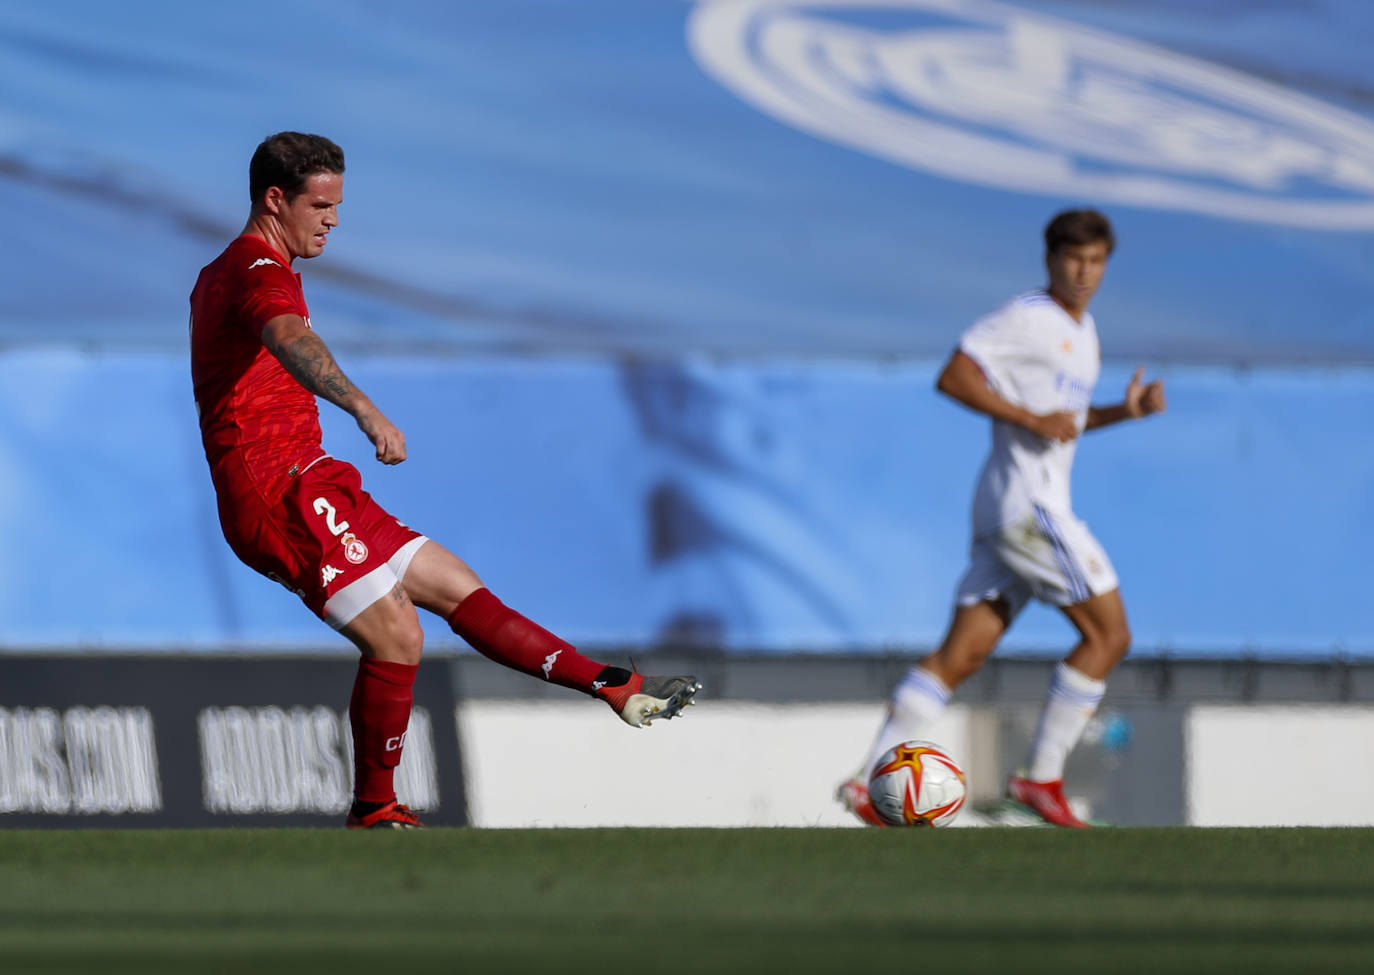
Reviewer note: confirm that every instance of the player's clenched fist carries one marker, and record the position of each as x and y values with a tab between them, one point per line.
1142	398
385	436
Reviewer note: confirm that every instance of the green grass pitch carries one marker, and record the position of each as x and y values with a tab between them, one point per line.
749	900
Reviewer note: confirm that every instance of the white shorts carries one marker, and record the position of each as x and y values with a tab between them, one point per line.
1049	557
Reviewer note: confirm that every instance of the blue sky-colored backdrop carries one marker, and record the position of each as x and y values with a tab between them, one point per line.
688	320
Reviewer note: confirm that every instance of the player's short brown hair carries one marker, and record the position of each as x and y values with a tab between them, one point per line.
288	159
1073	228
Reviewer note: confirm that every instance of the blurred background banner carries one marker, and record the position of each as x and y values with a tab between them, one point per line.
128	741
658	291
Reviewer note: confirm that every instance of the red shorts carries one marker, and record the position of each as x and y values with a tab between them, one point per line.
326	540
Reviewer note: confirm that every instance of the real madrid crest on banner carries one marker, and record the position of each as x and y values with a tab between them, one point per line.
994	94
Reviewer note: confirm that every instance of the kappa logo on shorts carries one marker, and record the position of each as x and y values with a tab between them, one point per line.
354	550
328	574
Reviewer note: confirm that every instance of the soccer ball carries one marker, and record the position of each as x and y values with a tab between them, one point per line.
916	783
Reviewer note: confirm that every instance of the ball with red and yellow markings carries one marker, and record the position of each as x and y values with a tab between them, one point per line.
916	783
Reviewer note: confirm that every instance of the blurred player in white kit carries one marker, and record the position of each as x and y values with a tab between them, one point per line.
1031	366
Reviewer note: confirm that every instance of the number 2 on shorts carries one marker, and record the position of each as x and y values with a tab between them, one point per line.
323	507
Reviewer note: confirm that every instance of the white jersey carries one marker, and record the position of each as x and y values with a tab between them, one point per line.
1034	355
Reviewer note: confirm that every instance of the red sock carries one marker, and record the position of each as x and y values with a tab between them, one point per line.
499	632
380	713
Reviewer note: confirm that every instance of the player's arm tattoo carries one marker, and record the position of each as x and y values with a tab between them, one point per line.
312	365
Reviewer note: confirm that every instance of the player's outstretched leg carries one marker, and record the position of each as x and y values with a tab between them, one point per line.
500	633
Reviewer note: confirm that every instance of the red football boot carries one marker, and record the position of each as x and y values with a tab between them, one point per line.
1045	799
391	815
642	700
853	795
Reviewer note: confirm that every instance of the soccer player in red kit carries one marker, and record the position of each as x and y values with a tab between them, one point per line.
301	517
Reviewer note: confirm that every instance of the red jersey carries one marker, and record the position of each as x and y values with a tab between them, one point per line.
259	425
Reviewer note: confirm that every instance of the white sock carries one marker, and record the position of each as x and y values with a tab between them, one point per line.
1072	699
916	702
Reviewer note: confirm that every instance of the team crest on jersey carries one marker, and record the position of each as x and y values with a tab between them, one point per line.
354	549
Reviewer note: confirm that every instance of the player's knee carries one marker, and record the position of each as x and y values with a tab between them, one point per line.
1113	642
408	639
958	663
1120	641
401	640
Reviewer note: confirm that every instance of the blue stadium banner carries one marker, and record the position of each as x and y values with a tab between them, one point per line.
664	343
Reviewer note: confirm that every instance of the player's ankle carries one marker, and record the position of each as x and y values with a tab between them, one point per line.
612	677
366	807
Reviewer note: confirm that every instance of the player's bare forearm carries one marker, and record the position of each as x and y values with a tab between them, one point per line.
963	381
1105	416
304	355
1142	399
311	364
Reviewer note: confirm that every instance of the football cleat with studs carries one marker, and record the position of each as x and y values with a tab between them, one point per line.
1046	800
390	815
643	700
853	795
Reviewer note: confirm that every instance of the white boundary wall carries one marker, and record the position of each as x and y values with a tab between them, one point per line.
729	764
752	764
1253	765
